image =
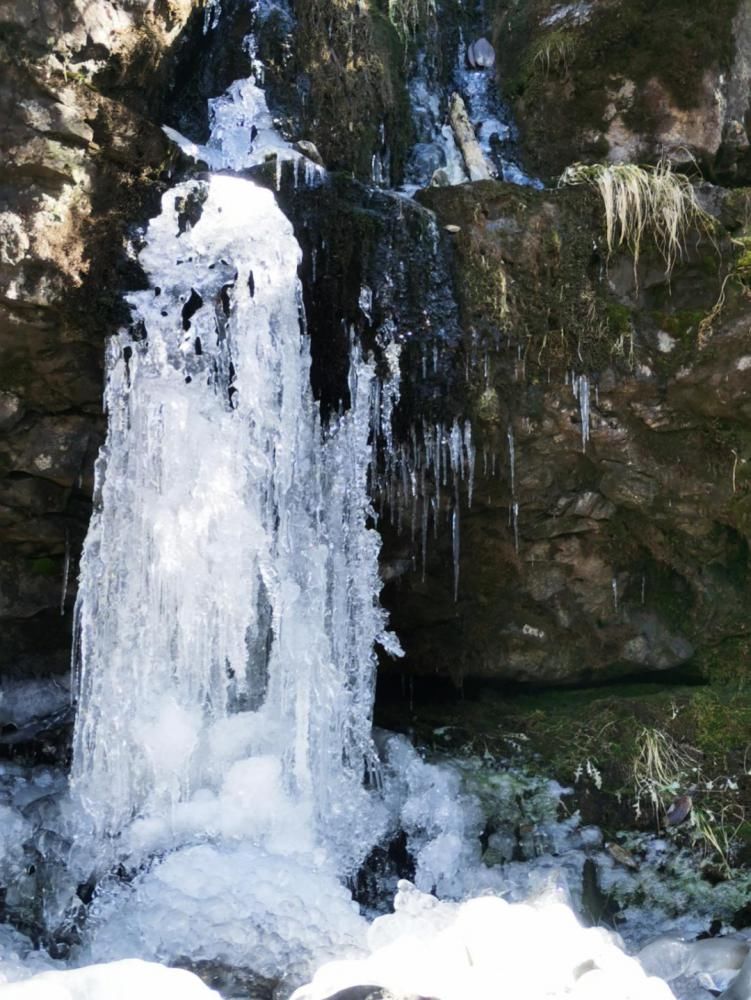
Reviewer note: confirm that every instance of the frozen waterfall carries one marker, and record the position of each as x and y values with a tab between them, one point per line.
228	606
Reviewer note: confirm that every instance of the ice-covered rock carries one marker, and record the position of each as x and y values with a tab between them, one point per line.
240	906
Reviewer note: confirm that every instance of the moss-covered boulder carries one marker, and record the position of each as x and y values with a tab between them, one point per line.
629	80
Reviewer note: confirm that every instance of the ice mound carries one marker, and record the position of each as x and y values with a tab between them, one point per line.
486	948
129	980
239	906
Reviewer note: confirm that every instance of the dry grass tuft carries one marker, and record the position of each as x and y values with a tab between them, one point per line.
642	202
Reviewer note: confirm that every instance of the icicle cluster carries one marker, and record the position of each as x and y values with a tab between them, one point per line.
426	479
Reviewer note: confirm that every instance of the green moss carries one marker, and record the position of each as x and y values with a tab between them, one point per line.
673	42
592	738
551	55
44	566
353	58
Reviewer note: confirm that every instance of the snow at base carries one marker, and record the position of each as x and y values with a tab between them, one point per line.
128	980
487	948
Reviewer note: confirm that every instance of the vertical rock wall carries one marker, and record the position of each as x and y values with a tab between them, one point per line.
82	159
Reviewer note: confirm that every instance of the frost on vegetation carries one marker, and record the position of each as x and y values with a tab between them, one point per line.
667	890
486	948
575	13
643	202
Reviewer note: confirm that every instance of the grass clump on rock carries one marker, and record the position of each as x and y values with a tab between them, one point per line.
643	202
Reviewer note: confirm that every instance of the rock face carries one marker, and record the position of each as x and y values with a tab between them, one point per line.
609	526
629	81
83	160
608	532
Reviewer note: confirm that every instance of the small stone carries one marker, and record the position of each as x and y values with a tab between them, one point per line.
481	54
310	150
679	810
11	410
619	854
451	228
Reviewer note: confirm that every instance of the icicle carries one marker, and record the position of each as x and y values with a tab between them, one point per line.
511	459
614	584
211	15
455	547
437	470
581	392
643	588
424	525
515	523
456	456
469	449
66	572
365	302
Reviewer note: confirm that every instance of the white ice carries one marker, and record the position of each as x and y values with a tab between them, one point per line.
486	948
126	980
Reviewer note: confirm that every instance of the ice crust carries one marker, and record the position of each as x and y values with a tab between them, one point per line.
19	959
24	701
242	907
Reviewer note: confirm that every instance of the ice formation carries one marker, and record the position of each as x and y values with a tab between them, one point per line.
486	948
228	606
581	390
226	623
436	156
429	477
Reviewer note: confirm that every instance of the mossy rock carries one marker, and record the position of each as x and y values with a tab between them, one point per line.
351	61
563	71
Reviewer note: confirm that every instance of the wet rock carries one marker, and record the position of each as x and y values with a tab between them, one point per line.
581	557
425	159
481	54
